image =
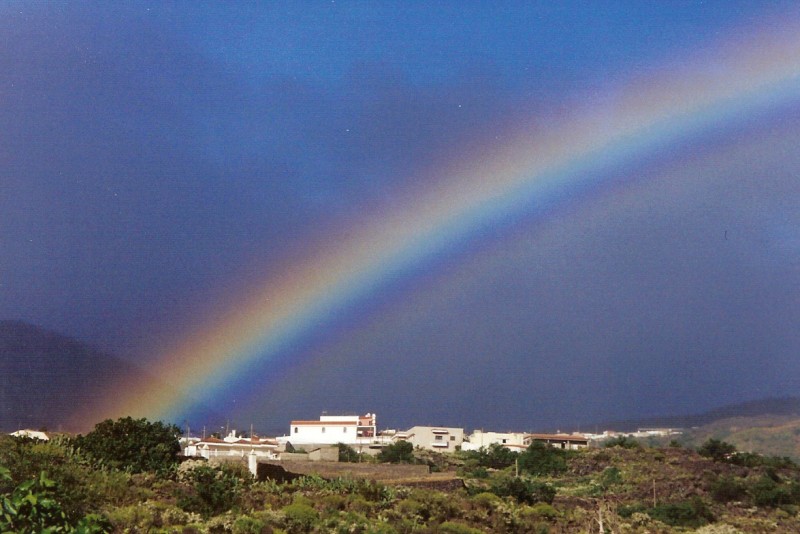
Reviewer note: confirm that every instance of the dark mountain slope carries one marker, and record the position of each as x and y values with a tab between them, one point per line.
45	377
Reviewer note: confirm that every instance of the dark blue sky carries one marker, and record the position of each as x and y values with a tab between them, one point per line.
156	158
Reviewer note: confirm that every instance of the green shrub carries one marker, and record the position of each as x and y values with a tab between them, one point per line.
449	527
542	459
717	450
625	442
544	510
211	490
727	489
610	476
249	525
693	513
300	517
401	452
486	500
524	490
766	491
32	506
348	453
133	445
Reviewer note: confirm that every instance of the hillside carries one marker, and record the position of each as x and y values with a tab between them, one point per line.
45	376
780	406
772	435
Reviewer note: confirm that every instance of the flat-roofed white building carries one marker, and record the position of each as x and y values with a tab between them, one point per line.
353	430
233	446
559	441
434	438
514	441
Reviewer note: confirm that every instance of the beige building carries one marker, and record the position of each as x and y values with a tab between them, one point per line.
559	441
513	441
434	438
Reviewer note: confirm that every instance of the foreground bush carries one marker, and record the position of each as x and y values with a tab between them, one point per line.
524	490
132	445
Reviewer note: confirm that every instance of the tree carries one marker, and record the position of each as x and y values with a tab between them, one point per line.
133	445
717	450
347	453
401	452
541	459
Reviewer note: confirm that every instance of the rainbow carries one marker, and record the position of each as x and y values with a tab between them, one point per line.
738	78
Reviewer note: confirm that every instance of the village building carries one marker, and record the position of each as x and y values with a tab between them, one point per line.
32	434
559	441
435	438
513	441
353	430
232	446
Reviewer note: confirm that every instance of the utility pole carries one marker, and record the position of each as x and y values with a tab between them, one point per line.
654	493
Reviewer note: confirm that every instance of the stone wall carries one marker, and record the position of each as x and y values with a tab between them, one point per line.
289	470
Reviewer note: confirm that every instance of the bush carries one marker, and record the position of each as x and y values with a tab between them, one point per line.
727	489
212	490
541	459
348	453
524	490
717	450
494	457
766	491
401	452
32	506
300	517
449	527
544	510
625	442
610	476
133	445
693	513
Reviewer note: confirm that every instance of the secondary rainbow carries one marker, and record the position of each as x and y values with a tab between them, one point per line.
734	80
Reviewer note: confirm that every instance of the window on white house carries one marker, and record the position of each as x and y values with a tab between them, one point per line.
323	429
438	438
344	429
295	430
452	438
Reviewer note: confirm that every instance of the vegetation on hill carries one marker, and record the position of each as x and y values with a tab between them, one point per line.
65	485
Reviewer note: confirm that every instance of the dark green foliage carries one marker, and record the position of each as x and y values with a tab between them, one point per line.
524	490
32	506
347	453
771	491
401	452
541	459
494	456
727	489
625	442
717	450
212	490
610	476
133	445
300	517
450	527
693	513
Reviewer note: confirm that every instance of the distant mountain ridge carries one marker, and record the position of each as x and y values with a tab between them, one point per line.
45	377
775	406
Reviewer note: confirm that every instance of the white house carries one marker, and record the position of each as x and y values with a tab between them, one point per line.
435	438
514	441
233	446
559	441
353	430
33	434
